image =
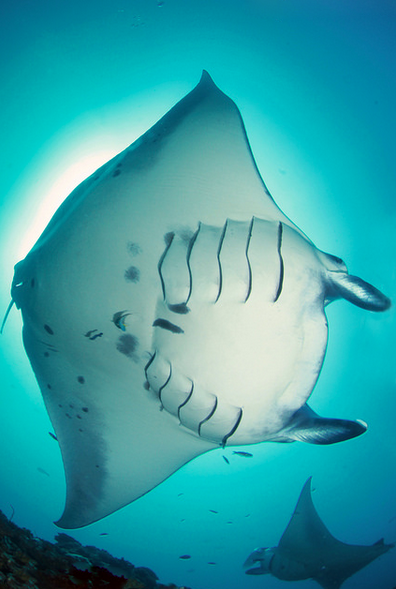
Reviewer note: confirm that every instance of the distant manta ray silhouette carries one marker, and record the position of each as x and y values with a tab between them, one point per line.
169	279
307	550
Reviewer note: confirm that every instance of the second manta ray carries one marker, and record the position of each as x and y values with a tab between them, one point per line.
169	279
307	550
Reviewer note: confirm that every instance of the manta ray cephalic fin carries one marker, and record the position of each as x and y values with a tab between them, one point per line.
307	426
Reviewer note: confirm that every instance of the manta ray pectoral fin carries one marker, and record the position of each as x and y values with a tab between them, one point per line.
357	291
307	426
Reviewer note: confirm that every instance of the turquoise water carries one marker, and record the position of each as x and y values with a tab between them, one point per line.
315	83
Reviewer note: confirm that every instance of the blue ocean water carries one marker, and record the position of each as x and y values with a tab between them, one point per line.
315	83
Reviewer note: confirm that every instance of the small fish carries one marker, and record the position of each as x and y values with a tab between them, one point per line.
226	459
96	335
89	333
53	436
184	556
104	534
42	471
211	563
119	319
244	454
213	511
92	335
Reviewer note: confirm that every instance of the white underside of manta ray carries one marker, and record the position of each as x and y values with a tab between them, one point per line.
170	308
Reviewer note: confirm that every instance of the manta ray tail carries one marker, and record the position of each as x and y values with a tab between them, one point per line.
6	315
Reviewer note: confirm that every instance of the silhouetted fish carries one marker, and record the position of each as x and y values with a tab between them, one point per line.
243	454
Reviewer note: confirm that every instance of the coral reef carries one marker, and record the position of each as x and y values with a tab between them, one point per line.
32	563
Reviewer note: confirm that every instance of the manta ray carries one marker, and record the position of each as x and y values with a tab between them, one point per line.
307	550
170	308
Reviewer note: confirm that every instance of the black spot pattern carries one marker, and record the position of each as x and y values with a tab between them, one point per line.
132	274
48	329
133	248
165	324
127	344
81	379
180	308
76	413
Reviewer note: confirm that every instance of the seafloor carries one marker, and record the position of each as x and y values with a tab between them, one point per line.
32	563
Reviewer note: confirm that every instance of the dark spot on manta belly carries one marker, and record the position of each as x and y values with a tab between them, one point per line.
133	248
180	308
127	344
48	329
132	274
81	379
117	170
85	409
167	325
